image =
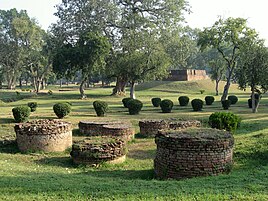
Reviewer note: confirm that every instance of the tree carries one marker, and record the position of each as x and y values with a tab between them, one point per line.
253	71
126	23
227	36
87	53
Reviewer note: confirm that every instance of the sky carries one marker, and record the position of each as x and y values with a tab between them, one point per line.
204	12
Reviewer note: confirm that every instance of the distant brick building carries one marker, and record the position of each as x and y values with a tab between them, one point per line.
186	75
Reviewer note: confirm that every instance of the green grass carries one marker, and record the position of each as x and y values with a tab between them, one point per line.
41	176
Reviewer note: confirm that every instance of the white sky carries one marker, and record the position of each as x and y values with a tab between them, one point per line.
204	12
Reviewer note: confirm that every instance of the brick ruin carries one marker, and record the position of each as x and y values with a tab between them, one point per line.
149	128
107	128
94	151
193	152
44	135
186	75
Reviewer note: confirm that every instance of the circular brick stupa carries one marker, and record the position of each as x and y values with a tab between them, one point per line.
96	150
44	135
193	152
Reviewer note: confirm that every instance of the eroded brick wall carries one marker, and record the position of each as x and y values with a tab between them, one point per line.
44	135
184	156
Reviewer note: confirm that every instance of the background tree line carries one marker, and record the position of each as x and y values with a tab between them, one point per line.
128	41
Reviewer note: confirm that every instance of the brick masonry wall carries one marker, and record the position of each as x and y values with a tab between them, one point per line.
44	135
149	128
181	155
92	153
107	128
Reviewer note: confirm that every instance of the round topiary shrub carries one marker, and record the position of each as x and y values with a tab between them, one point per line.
197	104
33	106
183	100
233	99
156	102
100	107
134	106
226	104
125	101
224	120
62	109
21	113
209	100
166	105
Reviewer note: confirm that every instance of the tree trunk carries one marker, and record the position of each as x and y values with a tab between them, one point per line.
132	90
82	89
120	88
217	87
1	84
43	84
20	82
227	86
60	83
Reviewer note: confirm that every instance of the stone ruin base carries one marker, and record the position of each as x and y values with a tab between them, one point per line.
44	135
192	153
107	128
96	150
149	128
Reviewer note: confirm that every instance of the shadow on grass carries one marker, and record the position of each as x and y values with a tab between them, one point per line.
9	147
6	120
56	161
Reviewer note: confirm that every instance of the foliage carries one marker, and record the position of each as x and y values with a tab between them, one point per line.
252	71
33	106
228	37
62	109
100	107
209	100
166	105
85	55
156	102
197	104
226	104
134	106
125	101
21	113
224	120
233	99
134	29
183	100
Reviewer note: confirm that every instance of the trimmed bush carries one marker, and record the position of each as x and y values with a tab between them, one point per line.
134	106
21	113
183	100
100	107
156	102
166	105
233	99
224	120
226	104
209	100
33	106
125	101
197	104
62	109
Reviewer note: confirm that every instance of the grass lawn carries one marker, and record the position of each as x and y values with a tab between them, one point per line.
43	176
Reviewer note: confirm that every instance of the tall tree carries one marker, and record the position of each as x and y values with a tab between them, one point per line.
86	54
252	71
127	24
227	36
